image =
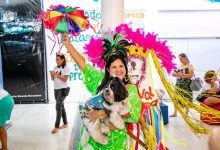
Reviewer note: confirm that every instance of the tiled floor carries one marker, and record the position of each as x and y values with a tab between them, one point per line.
178	129
32	124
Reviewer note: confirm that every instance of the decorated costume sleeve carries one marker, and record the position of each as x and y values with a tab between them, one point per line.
135	104
92	78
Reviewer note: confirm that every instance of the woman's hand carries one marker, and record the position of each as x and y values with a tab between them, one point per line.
126	115
93	116
174	74
65	39
180	74
177	74
52	73
77	57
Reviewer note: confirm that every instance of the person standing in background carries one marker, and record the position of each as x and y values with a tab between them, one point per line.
6	106
60	76
184	75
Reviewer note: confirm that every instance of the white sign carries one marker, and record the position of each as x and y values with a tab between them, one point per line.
78	91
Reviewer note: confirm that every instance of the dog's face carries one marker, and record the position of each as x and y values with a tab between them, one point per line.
115	91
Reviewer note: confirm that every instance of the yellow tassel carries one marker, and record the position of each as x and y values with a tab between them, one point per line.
132	144
149	139
194	123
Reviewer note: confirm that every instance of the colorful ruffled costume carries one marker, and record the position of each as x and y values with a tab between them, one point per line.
117	138
162	57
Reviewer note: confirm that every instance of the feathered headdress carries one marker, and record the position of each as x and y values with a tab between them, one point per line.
114	45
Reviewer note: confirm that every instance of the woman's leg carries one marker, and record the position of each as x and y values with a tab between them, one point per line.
64	115
212	101
174	113
65	123
59	103
56	129
3	137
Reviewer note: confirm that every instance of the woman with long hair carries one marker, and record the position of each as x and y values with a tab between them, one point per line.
60	76
115	58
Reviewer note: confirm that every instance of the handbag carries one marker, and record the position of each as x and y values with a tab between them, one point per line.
65	91
196	84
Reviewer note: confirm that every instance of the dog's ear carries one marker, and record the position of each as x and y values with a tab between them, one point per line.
119	80
111	78
120	92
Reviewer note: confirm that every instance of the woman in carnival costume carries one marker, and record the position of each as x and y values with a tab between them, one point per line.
115	58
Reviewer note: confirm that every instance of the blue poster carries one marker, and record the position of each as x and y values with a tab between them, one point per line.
1	74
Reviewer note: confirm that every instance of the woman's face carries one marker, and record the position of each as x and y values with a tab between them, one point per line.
117	68
59	61
183	60
214	78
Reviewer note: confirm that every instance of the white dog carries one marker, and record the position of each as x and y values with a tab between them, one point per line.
114	100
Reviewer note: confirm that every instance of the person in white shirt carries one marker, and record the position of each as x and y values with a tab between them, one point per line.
60	76
210	94
6	106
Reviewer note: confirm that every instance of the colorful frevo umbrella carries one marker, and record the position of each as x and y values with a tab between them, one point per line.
60	19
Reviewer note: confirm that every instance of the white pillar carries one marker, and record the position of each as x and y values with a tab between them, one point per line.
112	12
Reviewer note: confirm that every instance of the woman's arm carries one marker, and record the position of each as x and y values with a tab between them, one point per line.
135	103
183	75
189	75
57	75
51	75
77	57
64	78
213	88
91	77
100	113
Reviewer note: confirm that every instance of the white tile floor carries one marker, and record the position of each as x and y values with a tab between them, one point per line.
32	124
179	131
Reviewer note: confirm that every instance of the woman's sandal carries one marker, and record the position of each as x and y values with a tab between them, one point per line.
63	126
173	115
55	130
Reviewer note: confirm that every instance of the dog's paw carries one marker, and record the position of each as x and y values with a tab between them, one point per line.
117	121
101	139
85	138
120	125
105	131
104	141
